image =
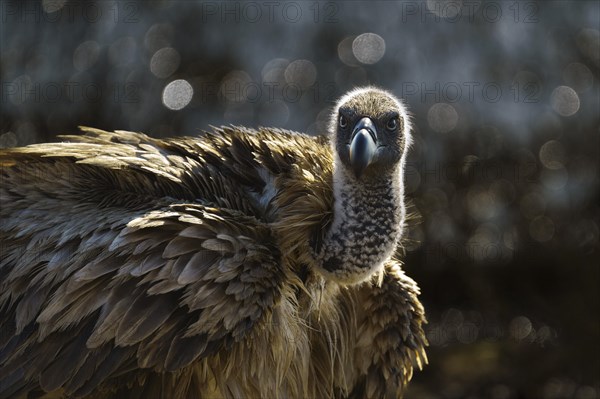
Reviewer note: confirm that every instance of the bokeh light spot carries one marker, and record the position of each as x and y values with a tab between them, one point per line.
564	101
274	71
345	52
437	335
520	327
177	94
442	117
368	48
552	155
237	86
86	55
481	203
50	6
165	62
485	245
301	73
467	333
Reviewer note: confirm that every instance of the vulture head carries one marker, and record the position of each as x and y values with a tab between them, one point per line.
370	136
371	132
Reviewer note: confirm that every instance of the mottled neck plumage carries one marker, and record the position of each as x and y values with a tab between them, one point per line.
367	224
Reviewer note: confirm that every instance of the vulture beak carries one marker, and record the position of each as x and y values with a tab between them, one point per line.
363	145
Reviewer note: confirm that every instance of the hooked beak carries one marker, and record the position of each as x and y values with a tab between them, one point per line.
363	145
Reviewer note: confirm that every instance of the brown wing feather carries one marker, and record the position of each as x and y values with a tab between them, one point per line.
390	335
108	269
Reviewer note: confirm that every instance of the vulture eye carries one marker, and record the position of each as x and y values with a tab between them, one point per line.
392	124
343	122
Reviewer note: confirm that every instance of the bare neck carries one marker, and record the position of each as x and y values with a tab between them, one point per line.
367	224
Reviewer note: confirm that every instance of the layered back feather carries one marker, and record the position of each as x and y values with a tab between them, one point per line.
181	268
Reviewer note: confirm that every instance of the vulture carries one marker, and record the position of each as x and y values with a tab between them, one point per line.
241	263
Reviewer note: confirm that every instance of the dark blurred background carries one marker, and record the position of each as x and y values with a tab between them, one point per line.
504	170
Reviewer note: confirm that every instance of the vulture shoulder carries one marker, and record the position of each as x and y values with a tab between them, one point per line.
123	253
